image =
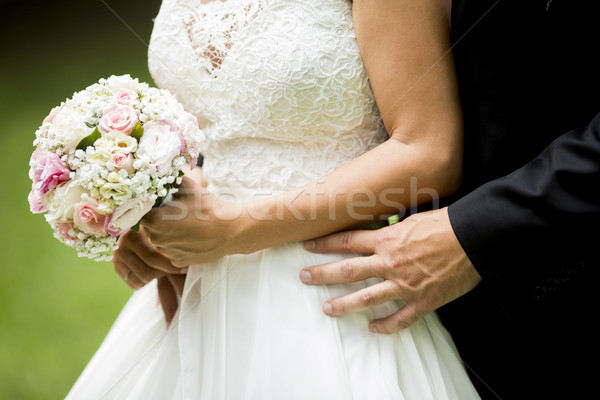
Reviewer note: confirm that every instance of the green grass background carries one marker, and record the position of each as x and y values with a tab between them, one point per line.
55	308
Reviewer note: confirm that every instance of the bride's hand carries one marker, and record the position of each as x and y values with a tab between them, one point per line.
137	262
195	227
170	290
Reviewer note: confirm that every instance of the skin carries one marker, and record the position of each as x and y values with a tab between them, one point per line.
420	260
405	48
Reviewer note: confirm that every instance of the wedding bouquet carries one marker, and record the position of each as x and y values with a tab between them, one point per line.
105	157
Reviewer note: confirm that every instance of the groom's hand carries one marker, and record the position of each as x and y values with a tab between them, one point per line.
420	260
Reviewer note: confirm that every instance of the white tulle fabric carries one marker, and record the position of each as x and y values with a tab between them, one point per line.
283	99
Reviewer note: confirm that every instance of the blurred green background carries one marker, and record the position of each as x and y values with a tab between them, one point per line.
55	308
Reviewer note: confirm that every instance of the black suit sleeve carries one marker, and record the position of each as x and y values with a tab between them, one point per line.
552	201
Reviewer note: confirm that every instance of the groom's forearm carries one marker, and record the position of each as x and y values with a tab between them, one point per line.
551	201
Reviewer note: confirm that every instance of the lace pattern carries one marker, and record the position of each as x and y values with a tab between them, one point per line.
278	86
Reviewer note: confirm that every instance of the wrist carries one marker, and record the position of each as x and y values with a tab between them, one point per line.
241	230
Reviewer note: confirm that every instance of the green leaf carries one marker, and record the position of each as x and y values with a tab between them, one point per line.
137	132
90	125
89	140
394	219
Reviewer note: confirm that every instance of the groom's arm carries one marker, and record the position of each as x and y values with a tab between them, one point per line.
555	196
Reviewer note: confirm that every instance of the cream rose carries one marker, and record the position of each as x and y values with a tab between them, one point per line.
61	201
159	145
127	215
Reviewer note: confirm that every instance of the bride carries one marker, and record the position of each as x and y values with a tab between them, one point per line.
295	147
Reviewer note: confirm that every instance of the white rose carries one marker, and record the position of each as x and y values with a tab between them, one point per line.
98	156
159	145
127	215
60	202
69	130
122	82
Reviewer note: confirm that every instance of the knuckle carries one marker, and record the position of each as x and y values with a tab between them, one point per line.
338	307
367	299
397	261
347	240
316	274
347	270
387	235
400	324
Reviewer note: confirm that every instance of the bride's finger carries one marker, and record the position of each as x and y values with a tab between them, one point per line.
177	281
168	298
144	272
125	273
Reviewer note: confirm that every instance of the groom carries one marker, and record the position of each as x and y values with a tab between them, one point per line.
525	222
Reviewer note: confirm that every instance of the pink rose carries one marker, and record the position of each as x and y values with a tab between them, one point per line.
123	161
118	118
127	215
87	217
47	171
63	228
35	202
126	96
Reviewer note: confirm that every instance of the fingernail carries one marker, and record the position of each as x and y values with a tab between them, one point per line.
305	276
309	244
184	271
327	309
373	328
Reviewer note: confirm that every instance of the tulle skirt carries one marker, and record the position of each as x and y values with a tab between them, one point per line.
248	328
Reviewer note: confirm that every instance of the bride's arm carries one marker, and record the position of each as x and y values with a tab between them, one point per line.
405	47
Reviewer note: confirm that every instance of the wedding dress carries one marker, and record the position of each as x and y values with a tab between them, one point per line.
283	98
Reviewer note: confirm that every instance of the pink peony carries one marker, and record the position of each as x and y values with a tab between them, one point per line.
87	217
159	145
118	118
122	161
126	96
47	171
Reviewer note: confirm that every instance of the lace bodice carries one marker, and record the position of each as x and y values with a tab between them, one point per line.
278	87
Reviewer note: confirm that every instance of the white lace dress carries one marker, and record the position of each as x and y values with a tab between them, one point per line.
281	92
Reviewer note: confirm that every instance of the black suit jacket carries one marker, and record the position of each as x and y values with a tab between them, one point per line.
528	212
